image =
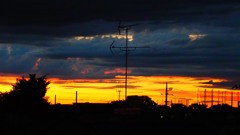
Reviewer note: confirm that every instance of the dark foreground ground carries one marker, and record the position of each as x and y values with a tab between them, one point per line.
59	122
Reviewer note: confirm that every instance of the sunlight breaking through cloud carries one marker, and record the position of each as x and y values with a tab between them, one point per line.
194	37
130	37
83	37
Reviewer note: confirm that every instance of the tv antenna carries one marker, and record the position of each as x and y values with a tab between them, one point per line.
125	49
166	93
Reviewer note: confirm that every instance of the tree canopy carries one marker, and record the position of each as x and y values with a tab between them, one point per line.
27	93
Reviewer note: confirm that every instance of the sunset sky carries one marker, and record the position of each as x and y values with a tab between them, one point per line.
193	45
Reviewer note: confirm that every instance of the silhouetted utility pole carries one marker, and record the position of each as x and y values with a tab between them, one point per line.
55	99
231	98
119	91
212	98
205	96
225	97
126	49
237	96
222	98
197	95
166	94
76	97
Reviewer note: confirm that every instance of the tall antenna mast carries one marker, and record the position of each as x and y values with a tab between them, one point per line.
166	95
126	49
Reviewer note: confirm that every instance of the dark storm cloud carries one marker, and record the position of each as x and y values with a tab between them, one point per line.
228	84
57	17
38	36
17	62
215	55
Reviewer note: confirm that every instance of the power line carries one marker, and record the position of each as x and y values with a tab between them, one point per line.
126	29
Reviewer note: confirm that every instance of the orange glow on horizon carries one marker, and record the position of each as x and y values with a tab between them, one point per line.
183	89
106	90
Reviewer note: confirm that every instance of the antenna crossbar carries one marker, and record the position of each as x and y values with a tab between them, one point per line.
126	49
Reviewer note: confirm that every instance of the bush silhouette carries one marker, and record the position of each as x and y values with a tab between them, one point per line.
27	94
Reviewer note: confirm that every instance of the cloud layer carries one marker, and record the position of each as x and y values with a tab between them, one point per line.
187	38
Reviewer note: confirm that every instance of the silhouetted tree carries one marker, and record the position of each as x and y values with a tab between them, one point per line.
27	94
196	106
141	101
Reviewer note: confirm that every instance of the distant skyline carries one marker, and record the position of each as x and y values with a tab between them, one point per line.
70	40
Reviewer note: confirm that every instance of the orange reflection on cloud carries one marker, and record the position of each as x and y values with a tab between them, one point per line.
117	70
85	70
194	37
36	64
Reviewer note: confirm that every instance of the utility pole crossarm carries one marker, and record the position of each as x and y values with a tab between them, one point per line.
126	49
